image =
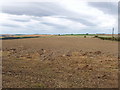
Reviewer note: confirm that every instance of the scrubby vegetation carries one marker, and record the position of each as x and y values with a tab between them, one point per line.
109	38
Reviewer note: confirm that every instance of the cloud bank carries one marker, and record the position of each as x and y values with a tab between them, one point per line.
60	17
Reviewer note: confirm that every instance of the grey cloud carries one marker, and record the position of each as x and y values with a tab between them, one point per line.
106	7
10	25
35	9
20	20
82	20
54	25
44	9
39	10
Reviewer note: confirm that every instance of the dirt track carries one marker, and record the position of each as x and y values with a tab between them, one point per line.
60	62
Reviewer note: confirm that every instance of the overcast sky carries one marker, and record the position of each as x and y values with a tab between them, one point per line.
58	17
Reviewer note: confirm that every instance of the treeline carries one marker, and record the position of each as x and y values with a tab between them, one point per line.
5	38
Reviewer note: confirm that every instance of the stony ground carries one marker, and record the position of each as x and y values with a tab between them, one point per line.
65	62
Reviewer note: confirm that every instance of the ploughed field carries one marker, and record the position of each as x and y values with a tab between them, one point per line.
59	61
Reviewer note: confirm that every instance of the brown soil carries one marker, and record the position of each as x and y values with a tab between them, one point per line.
65	62
31	35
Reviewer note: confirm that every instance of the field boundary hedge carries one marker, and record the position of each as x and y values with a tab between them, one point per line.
109	38
5	38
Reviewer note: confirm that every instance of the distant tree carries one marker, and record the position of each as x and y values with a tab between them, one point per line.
96	35
86	33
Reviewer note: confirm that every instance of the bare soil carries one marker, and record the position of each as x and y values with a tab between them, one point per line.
59	62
